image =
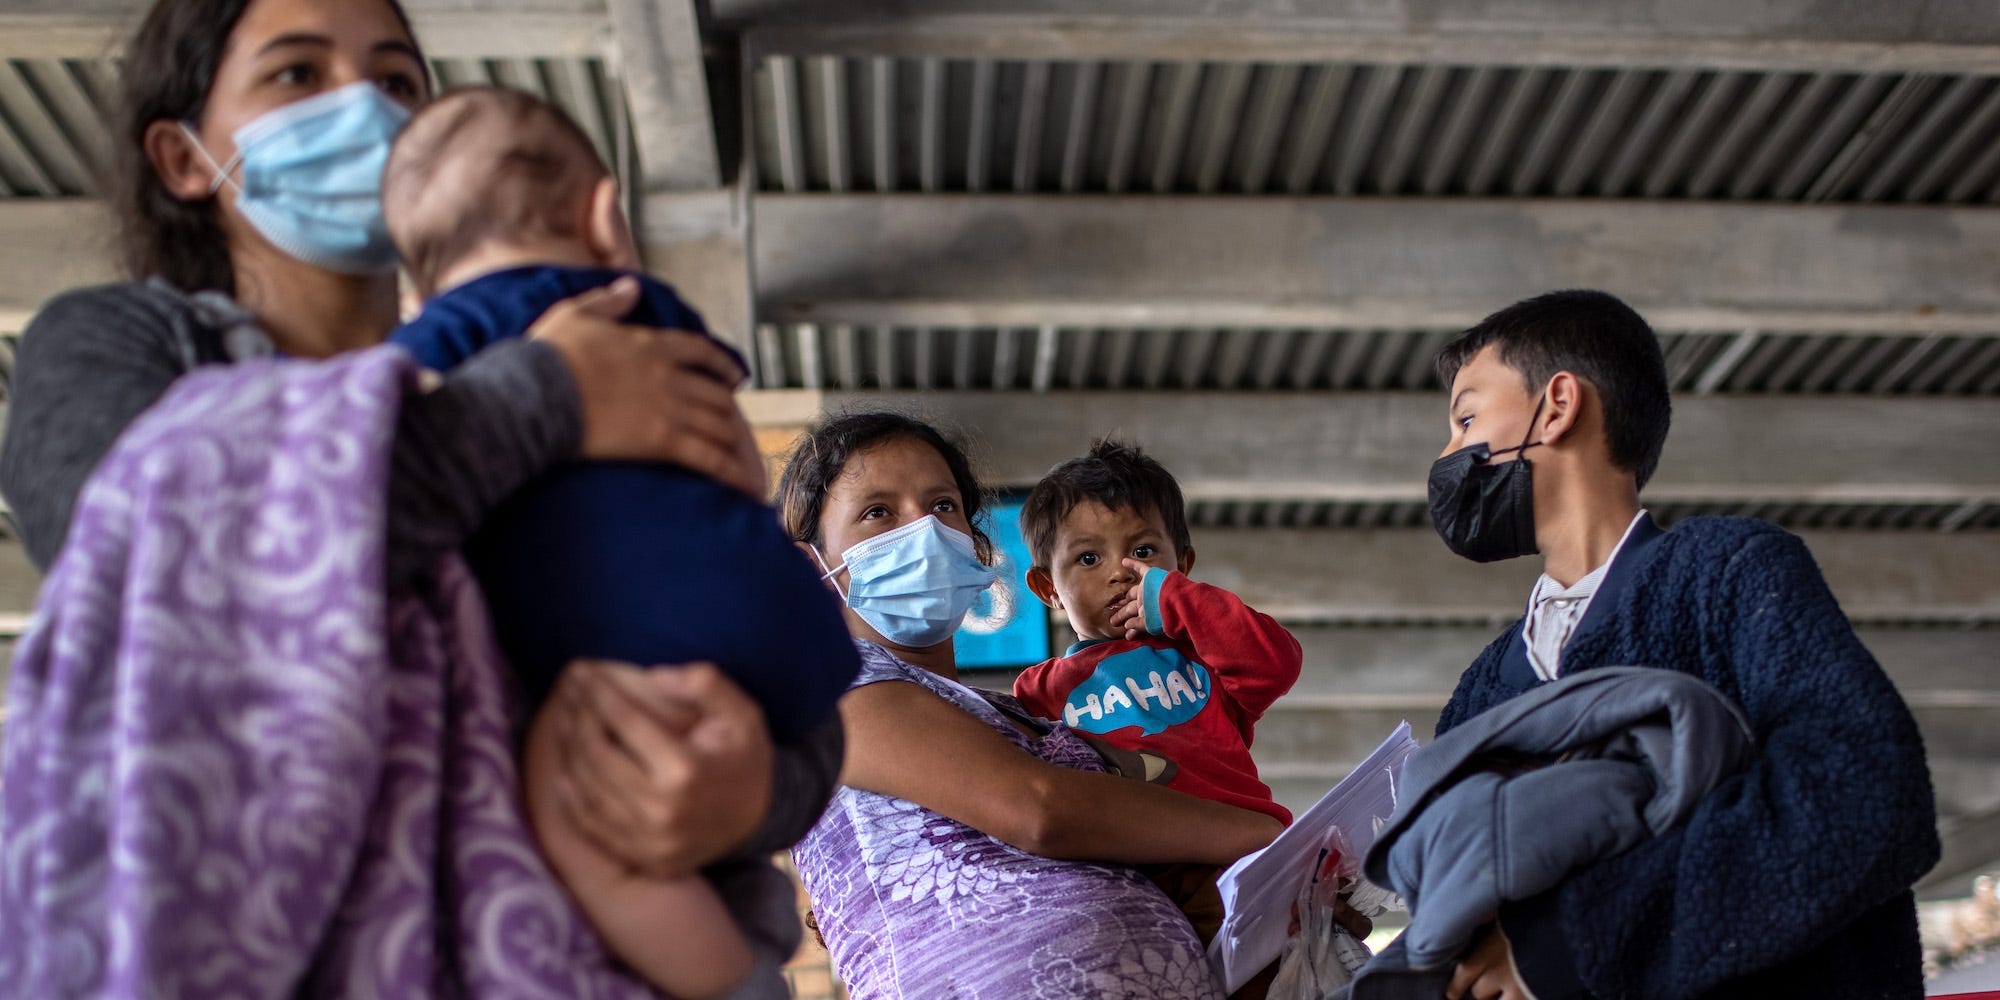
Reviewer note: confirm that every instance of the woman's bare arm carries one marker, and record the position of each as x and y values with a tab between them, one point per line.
907	742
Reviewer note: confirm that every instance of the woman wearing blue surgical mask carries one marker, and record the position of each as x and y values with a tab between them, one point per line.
247	157
964	853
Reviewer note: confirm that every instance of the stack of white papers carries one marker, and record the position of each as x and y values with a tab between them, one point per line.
1258	891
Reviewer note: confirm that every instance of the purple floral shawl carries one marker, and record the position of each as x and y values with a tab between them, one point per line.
234	766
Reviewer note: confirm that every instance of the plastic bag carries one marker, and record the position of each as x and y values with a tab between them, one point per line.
1322	957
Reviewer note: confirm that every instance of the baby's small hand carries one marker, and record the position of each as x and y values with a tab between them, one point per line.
1129	617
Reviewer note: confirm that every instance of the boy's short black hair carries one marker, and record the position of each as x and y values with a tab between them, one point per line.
1598	338
1116	475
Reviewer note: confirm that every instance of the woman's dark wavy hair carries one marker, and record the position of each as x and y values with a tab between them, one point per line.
822	455
168	70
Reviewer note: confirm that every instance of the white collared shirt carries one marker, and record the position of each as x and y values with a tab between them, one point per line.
1554	611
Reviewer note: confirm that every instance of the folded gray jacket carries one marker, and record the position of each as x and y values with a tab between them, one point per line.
1509	803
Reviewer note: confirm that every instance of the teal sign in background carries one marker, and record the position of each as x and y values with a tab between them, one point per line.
1008	627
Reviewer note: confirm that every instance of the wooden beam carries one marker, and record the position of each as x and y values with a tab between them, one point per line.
1418	665
494	29
1409	264
1852	37
19	585
1883	38
1407	575
1376	447
1372	263
1971	847
666	87
1359	681
697	241
48	246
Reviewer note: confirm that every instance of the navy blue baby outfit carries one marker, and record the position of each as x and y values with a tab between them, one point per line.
650	564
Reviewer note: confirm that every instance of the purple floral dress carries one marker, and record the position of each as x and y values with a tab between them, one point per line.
915	905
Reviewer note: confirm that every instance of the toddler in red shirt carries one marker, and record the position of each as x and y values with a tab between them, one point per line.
1164	666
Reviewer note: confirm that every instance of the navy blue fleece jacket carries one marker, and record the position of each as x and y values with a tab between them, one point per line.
1791	879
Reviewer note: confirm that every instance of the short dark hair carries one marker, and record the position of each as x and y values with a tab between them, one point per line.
1596	337
534	164
168	70
1117	476
821	455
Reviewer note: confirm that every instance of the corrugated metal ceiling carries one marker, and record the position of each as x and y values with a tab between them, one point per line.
840	356
832	123
53	139
1797	516
836	123
54	131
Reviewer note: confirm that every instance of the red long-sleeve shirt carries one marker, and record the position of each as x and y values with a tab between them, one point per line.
1191	690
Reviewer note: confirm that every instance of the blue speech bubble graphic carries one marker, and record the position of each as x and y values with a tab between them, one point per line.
1145	686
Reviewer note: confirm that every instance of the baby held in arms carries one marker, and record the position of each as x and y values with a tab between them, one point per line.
500	207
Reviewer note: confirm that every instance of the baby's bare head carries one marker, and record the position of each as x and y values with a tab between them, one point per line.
483	165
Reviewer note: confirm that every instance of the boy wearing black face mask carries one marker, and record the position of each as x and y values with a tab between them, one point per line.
1793	878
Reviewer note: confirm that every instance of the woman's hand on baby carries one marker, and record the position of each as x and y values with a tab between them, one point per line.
649	395
666	770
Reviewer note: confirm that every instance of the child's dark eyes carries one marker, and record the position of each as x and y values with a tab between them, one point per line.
1087	559
874	512
944	506
1143	553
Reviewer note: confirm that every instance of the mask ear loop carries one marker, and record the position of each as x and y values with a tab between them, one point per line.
221	169
1524	445
829	574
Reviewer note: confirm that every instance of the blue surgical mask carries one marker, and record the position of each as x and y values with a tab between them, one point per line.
312	177
914	584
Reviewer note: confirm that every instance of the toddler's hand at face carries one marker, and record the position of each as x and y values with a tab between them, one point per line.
1131	614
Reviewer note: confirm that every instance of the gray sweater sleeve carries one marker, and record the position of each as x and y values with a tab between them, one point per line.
500	418
803	776
88	364
93	360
